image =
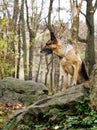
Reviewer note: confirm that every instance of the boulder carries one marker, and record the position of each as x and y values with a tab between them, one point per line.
66	101
19	91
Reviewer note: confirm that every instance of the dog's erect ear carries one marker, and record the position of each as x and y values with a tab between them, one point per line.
52	36
55	41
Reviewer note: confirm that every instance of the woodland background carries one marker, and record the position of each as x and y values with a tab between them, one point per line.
23	32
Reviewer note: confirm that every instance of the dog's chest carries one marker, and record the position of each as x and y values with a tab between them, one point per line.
66	65
62	50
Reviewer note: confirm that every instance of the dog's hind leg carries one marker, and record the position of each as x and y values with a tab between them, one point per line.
75	74
65	81
69	80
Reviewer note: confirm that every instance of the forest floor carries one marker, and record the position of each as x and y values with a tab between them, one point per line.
7	110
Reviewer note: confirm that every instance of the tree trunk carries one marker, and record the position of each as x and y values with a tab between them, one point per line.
24	40
75	9
93	88
19	53
50	86
56	73
90	49
12	24
51	77
20	67
14	20
32	29
32	40
47	70
37	74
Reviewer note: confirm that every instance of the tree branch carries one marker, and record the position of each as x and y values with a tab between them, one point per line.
95	6
86	18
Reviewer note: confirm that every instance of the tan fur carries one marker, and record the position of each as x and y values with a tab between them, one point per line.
71	64
70	61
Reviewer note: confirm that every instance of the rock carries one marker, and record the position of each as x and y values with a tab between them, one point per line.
66	100
93	88
18	91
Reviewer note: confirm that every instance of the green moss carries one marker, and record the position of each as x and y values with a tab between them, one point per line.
10	125
31	100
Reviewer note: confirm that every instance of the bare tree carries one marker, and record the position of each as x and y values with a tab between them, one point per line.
75	10
90	48
23	32
14	19
37	74
56	69
55	63
32	25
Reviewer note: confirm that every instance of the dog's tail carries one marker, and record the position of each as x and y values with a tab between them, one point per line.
83	74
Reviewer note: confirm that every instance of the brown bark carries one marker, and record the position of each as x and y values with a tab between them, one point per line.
55	63
24	40
93	88
50	86
90	52
37	75
32	40
32	29
19	48
75	10
14	20
13	25
56	73
49	14
47	69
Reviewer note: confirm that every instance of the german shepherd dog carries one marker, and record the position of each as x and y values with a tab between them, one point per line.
70	59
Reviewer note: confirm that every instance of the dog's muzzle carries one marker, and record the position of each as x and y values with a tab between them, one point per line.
46	51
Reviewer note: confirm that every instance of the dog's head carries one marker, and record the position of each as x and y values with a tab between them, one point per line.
49	47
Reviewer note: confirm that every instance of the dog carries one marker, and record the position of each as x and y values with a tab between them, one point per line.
70	59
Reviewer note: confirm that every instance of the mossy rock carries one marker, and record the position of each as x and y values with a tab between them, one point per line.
19	91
